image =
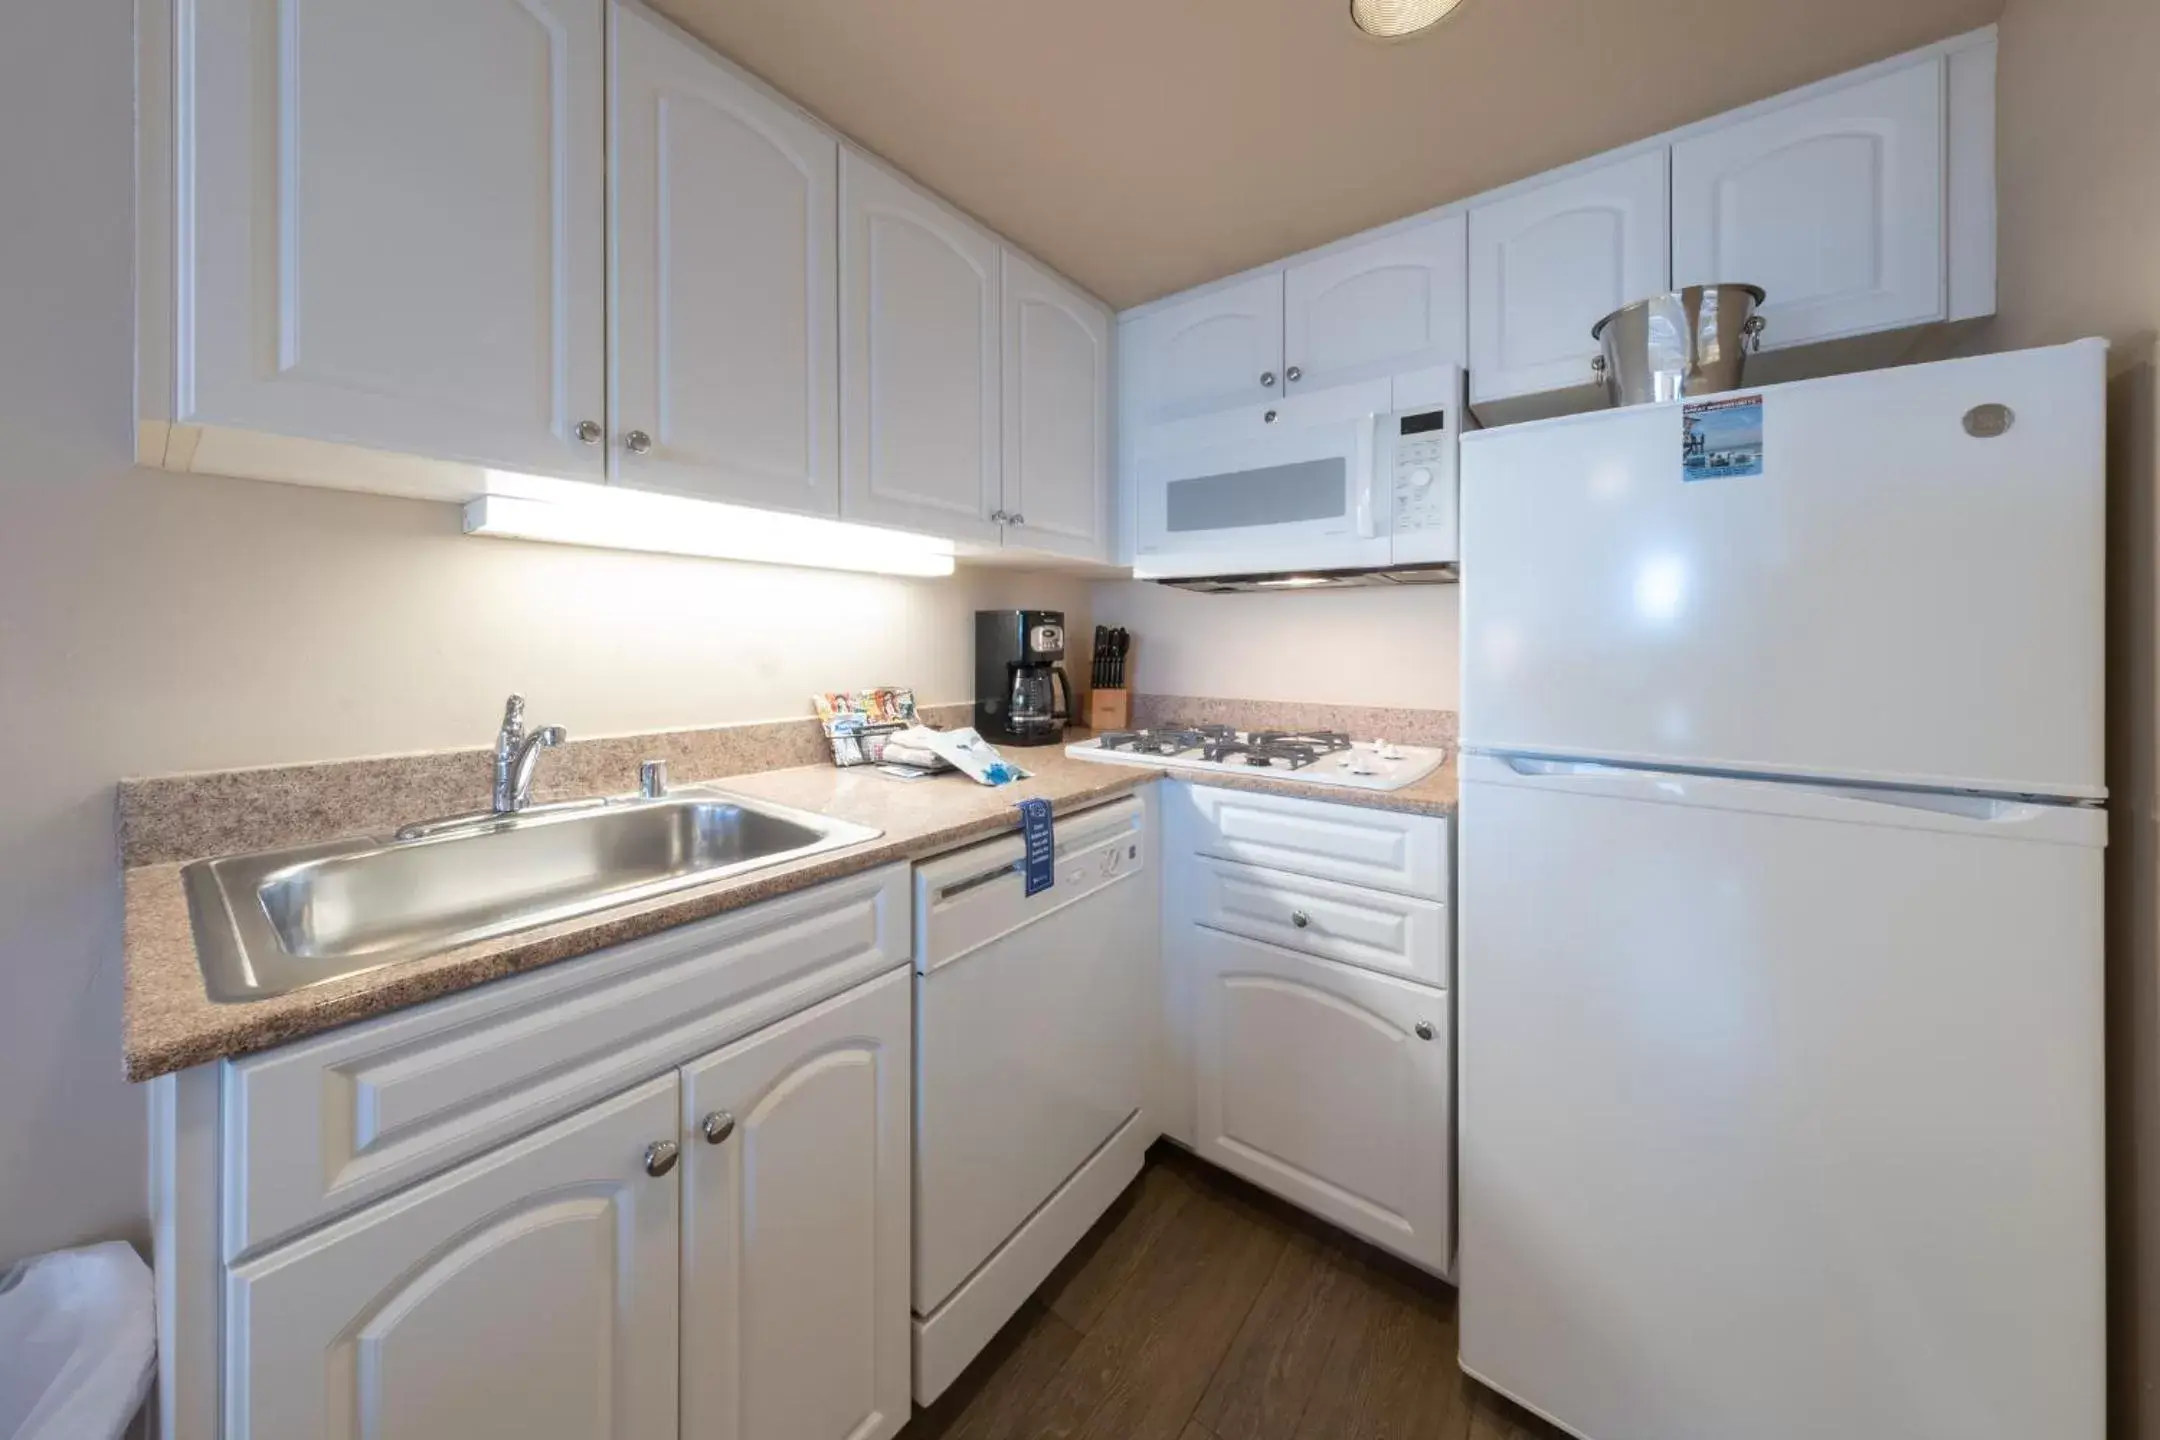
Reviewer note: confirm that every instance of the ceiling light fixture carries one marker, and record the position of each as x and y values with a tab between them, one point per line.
1396	19
615	519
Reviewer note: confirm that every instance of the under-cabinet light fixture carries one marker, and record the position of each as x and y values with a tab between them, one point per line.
613	519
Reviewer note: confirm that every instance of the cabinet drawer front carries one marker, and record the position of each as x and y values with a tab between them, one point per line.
1374	930
1383	849
1329	1086
316	1128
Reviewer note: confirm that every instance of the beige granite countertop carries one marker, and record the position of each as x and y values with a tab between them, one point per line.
171	1023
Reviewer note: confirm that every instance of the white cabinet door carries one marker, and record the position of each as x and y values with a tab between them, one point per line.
1392	304
1834	205
1317	1081
726	279
919	360
1219	351
531	1292
795	1236
1056	414
1549	263
391	225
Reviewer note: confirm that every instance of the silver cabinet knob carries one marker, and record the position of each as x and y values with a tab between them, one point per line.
638	442
1293	374
1424	1029
717	1126
1268	419
1000	516
1300	919
1267	377
1016	518
588	431
660	1157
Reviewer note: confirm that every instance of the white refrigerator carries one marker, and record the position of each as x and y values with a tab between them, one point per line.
1780	906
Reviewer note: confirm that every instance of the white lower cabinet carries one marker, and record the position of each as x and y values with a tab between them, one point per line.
795	1255
660	1191
1328	1085
530	1292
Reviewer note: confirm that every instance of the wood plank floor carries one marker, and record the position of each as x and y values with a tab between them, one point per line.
1202	1309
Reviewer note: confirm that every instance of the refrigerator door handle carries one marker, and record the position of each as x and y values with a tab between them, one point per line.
1924	809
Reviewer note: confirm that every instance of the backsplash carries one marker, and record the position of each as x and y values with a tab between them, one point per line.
1403	725
224	812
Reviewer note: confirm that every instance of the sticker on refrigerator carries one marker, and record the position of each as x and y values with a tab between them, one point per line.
1721	439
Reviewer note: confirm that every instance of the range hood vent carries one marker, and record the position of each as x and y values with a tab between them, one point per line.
1319	580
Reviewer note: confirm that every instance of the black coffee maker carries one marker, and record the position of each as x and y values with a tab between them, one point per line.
1022	696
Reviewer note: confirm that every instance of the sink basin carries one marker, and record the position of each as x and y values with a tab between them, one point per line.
273	922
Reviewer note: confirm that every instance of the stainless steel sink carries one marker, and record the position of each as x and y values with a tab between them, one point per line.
273	922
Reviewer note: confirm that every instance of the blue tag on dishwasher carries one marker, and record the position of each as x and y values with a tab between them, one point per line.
1041	847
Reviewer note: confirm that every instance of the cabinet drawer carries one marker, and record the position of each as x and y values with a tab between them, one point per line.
1382	849
316	1128
1372	929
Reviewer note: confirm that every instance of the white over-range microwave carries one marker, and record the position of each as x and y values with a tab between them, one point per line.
1354	484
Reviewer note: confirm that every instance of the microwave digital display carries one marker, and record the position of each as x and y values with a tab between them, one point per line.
1424	424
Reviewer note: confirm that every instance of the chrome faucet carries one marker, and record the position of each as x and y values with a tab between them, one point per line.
517	755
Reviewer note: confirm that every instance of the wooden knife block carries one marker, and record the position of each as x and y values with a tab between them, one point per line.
1109	710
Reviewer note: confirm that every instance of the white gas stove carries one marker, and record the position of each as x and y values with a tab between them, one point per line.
1317	757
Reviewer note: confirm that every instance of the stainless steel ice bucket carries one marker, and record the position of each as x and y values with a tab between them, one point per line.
1690	342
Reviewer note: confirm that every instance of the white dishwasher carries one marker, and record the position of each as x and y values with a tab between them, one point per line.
1033	1043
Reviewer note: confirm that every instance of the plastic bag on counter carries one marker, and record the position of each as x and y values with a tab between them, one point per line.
965	750
78	1344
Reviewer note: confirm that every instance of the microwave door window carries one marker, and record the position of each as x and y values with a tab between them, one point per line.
1303	492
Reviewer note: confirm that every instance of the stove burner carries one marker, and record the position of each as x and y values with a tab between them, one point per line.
1321	742
1262	753
1163	741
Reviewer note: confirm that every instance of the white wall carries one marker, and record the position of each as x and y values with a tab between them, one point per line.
152	623
1340	647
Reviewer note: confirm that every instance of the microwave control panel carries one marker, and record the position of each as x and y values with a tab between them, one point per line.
1424	472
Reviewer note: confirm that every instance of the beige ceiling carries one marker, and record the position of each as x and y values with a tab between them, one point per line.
1142	146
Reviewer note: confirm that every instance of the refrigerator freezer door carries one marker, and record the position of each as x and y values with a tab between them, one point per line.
1780	1109
1892	598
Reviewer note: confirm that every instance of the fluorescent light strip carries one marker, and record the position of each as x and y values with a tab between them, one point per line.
612	519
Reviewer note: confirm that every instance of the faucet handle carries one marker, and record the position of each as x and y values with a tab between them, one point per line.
514	716
652	779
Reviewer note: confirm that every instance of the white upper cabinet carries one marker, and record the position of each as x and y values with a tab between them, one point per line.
1056	414
531	1292
1390	305
1833	204
1548	263
388	218
1218	351
920	385
724	210
795	1232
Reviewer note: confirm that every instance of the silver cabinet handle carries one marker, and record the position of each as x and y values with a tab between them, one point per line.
1300	919
588	431
1268	419
1267	378
717	1126
1424	1029
638	442
660	1157
1293	374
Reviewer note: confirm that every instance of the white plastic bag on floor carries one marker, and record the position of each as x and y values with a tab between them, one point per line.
78	1344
